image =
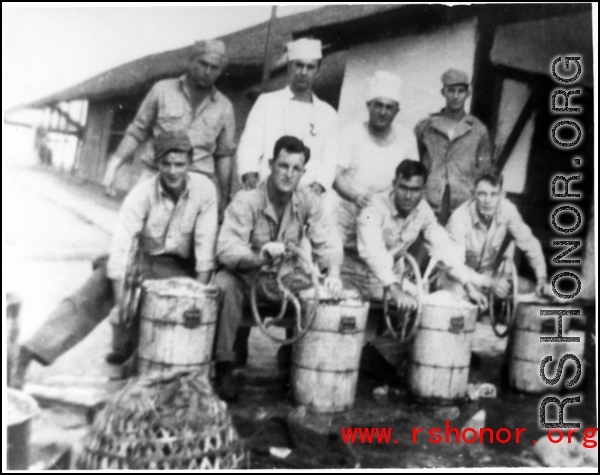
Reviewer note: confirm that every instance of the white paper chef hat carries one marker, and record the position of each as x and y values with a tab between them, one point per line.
304	48
384	85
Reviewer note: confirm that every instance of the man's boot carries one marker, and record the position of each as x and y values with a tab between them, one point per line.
226	385
17	378
122	345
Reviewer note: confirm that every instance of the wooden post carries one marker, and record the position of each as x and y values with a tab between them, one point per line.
267	62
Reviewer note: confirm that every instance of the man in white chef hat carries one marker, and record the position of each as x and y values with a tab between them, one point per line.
369	153
294	110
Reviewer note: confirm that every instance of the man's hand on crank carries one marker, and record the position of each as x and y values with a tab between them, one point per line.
476	296
543	289
333	283
404	302
501	287
271	251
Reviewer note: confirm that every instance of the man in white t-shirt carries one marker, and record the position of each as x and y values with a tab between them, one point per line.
369	153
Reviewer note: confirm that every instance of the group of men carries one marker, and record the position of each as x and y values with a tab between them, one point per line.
353	199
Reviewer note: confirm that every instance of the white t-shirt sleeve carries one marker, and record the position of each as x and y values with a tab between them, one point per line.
346	146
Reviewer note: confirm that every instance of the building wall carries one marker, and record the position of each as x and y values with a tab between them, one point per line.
419	60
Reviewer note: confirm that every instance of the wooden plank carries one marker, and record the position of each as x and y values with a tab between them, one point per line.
513	138
68	119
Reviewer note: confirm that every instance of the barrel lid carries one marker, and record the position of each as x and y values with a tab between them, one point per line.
533	299
179	287
445	298
347	295
20	407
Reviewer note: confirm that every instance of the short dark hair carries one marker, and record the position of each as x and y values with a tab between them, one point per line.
291	145
409	168
492	175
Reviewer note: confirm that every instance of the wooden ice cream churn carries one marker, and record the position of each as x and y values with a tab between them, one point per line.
525	352
177	326
325	362
440	354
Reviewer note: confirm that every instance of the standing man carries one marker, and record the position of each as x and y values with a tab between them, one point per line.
295	111
369	154
175	216
454	146
486	228
258	224
192	103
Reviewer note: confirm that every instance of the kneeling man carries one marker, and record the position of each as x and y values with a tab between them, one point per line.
486	229
391	223
174	217
257	226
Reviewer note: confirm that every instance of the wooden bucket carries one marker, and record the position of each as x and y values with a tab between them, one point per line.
177	327
525	351
21	409
440	355
325	361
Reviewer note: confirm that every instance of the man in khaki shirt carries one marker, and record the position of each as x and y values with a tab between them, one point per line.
191	103
391	223
175	217
480	227
258	225
454	146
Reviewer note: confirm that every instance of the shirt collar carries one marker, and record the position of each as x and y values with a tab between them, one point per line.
267	206
396	213
289	94
476	219
183	85
161	193
463	126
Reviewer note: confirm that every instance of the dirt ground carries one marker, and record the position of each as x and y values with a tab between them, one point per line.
55	226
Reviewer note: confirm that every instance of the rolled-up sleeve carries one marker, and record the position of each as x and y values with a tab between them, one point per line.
234	238
205	232
130	222
527	242
250	149
324	237
445	250
226	139
141	126
458	226
371	244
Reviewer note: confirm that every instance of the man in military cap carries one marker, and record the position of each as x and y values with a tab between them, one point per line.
293	111
174	216
453	145
192	103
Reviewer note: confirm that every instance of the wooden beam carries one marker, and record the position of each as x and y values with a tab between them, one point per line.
68	118
20	124
267	56
513	138
54	130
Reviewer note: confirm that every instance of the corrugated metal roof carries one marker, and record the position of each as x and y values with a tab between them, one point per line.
245	48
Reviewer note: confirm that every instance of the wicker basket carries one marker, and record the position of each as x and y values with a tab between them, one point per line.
171	423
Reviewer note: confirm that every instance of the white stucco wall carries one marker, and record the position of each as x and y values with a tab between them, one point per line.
419	60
